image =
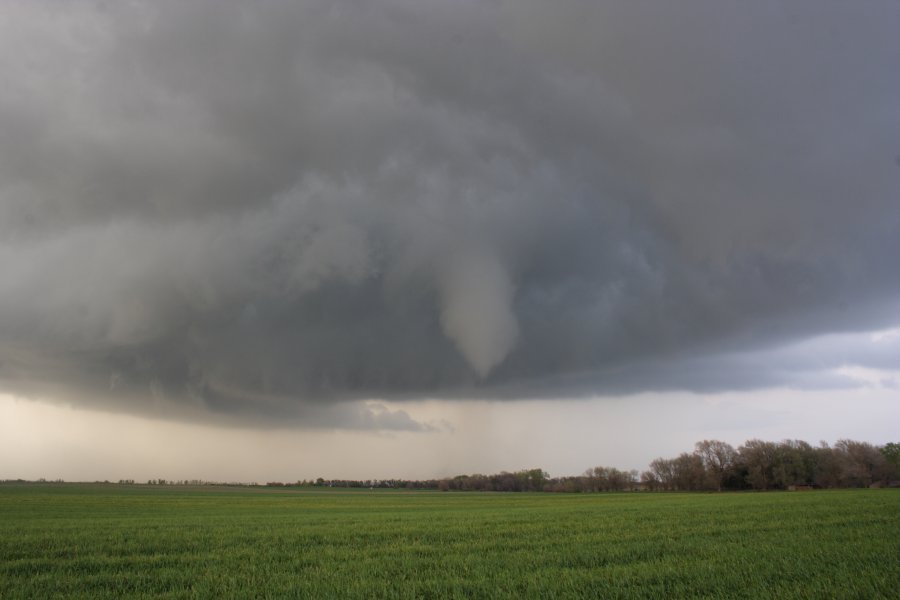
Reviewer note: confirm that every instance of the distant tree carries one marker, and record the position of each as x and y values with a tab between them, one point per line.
663	471
795	464
861	463
718	460
891	452
759	458
690	474
533	480
608	479
649	481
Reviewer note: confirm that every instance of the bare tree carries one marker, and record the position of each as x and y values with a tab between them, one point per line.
861	463
718	459
689	472
649	481
663	471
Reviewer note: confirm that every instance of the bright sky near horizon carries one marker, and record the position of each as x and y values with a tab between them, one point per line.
565	437
407	238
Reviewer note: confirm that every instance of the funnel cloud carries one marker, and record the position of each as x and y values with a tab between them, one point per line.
286	212
476	312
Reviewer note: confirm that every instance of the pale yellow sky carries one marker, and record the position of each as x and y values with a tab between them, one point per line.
42	439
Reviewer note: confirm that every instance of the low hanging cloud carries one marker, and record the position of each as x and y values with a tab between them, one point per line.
265	212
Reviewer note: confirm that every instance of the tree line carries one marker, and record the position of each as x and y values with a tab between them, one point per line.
712	466
762	465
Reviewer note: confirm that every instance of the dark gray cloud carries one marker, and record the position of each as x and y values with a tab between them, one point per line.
251	210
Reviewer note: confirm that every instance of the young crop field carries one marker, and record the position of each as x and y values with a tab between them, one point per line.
110	541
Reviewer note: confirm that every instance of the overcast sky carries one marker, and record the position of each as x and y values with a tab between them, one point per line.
414	238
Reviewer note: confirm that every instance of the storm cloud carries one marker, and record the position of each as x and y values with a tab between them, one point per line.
267	210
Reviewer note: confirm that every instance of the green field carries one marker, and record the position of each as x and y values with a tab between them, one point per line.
109	541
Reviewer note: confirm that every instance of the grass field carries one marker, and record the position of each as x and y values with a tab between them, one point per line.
109	541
